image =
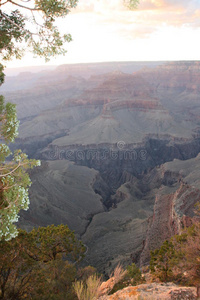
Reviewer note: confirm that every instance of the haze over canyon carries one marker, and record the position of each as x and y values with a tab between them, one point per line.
119	145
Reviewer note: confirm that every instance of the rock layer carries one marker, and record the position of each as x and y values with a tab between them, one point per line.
155	291
124	126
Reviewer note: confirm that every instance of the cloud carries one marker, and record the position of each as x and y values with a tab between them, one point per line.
99	6
166	4
149	17
172	12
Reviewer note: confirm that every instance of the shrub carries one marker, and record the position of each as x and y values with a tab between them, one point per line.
132	276
90	290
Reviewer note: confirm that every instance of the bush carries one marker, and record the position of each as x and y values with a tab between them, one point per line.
162	261
40	264
133	276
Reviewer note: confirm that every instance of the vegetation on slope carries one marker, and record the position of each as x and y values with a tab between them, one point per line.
40	264
178	259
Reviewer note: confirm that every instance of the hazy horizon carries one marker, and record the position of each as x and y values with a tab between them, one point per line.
102	31
13	71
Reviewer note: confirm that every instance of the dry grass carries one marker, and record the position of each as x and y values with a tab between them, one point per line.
90	290
78	288
93	288
118	273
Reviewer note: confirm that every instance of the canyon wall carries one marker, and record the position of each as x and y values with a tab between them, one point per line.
119	151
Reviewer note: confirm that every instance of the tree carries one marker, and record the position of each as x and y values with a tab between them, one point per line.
24	24
52	242
131	4
40	264
45	41
32	23
162	261
187	244
179	258
14	179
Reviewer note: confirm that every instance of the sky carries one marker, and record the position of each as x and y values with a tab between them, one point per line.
105	30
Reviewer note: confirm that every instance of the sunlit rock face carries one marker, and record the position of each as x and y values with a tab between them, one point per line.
156	291
108	135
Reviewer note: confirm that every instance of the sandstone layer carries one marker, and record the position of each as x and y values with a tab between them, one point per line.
155	291
110	141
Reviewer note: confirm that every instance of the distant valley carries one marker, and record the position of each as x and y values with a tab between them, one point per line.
119	145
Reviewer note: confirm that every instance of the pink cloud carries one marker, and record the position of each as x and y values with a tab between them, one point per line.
146	19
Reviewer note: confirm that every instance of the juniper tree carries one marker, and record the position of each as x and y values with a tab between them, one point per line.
31	24
179	258
14	179
163	261
24	24
40	264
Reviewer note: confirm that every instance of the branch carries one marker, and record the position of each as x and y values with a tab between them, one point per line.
8	187
24	282
29	32
11	203
12	171
22	6
4	3
34	19
13	23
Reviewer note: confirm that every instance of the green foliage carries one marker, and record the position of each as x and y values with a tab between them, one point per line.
57	278
43	38
131	4
2	75
8	121
32	24
178	260
52	242
163	260
12	30
16	19
119	286
39	264
187	244
14	179
134	274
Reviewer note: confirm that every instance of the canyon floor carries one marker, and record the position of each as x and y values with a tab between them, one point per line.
119	145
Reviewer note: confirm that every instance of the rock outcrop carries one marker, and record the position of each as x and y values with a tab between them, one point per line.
155	291
174	202
122	192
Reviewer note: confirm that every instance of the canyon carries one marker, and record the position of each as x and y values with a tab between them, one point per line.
119	145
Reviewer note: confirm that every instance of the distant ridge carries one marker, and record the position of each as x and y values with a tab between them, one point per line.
31	69
113	66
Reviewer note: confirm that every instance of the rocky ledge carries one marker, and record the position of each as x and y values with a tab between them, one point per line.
155	291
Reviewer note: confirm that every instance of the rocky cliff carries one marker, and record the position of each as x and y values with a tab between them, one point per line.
141	213
110	141
62	193
155	291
